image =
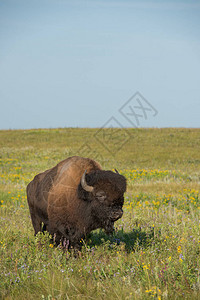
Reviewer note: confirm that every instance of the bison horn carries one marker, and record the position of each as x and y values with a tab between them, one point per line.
116	171
84	184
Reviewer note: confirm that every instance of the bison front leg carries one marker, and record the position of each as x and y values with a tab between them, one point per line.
73	237
109	227
77	243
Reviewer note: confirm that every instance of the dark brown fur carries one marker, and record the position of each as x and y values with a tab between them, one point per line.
57	199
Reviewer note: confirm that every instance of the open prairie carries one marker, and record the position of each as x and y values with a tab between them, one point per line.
155	251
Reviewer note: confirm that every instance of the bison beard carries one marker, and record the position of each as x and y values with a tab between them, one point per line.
75	197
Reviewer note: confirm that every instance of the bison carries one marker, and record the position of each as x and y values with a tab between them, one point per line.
75	197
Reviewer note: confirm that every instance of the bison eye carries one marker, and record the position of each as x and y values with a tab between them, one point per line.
100	195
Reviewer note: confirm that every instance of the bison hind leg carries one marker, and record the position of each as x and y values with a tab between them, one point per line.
44	227
37	224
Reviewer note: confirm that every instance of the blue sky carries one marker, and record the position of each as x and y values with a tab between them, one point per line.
76	63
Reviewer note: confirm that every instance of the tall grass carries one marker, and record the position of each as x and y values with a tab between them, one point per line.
155	251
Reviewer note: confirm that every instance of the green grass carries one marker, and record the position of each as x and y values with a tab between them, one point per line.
155	251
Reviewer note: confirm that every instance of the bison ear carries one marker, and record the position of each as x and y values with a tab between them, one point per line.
100	195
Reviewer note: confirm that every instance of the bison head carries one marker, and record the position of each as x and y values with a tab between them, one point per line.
104	191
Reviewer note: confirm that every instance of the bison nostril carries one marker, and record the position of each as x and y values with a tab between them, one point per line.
116	214
120	213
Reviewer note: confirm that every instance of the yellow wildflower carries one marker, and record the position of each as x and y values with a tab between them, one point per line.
179	249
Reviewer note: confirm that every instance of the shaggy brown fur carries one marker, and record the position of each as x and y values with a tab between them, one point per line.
57	199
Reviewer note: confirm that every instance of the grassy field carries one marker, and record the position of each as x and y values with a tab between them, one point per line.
155	251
